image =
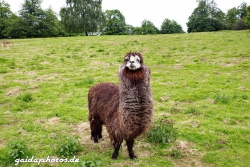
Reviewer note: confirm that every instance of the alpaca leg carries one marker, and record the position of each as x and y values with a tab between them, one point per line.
96	128
99	133
96	133
130	144
94	136
117	145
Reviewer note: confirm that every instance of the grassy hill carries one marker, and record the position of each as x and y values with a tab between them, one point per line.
200	82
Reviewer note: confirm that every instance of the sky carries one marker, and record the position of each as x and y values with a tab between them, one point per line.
135	11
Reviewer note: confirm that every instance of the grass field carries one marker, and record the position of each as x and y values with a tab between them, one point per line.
200	81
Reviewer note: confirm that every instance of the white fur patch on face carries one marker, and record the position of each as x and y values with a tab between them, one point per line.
133	62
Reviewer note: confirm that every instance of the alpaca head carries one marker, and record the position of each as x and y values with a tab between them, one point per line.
133	61
133	69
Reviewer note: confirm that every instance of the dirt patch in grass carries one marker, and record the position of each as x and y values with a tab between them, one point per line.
53	120
99	64
13	91
190	155
177	66
83	131
2	144
233	61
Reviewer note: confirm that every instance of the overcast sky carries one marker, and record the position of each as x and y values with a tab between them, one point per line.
135	11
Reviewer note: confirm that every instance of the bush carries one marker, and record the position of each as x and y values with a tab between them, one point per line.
90	164
26	97
17	150
163	132
240	25
67	147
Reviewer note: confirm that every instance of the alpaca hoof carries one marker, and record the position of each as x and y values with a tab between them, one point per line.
133	157
114	156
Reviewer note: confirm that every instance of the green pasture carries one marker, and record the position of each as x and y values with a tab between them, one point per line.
200	82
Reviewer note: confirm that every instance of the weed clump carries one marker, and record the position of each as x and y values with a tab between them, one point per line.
91	164
67	147
223	99
176	153
26	97
163	132
17	150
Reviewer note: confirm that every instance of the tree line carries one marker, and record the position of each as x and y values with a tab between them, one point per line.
85	17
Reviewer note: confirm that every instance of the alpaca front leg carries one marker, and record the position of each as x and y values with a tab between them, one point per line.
117	145
130	144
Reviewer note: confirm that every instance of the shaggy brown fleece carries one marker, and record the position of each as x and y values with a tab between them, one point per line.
126	110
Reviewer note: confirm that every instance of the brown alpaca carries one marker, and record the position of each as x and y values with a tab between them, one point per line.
126	110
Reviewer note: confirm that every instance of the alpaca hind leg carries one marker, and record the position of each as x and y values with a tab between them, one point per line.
96	129
130	144
94	136
117	145
99	133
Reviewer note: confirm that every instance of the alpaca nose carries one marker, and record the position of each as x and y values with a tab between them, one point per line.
132	62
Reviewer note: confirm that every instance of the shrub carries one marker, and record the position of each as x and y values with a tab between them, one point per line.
223	99
163	132
26	97
67	147
17	150
176	154
90	164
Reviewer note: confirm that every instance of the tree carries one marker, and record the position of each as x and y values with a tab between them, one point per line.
206	17
31	12
231	16
170	27
116	24
235	17
137	31
248	16
17	28
148	27
242	10
49	24
82	16
5	15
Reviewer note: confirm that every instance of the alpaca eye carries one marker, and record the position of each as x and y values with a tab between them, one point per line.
126	59
138	60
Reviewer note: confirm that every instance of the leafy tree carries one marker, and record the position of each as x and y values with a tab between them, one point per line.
82	16
137	30
31	12
49	24
242	10
130	29
231	16
17	28
248	16
235	17
5	15
148	27
170	27
206	17
116	24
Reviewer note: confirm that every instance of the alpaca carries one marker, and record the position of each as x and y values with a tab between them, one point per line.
126	110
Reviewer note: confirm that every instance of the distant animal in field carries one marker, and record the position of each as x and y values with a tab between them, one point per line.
6	43
126	109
